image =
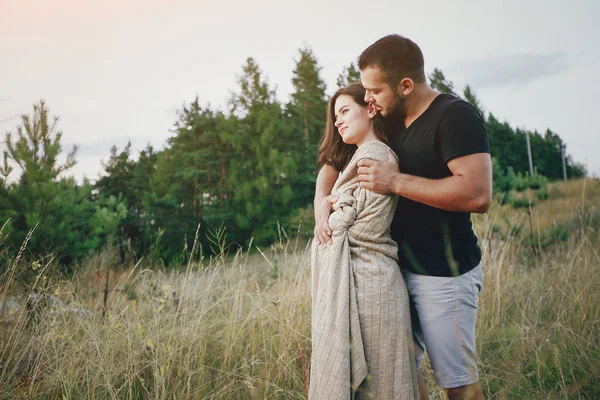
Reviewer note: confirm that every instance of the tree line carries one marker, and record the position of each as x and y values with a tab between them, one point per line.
244	174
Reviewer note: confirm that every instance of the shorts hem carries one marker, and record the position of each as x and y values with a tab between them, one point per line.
457	381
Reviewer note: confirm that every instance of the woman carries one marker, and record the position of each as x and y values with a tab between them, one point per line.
361	332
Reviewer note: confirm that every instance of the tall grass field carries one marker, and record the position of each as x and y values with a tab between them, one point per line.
237	325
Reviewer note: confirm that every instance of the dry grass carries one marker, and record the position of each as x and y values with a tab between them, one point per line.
238	327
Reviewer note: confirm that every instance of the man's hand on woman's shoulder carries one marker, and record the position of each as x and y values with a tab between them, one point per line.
378	176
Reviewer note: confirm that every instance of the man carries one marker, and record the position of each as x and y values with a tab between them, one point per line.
444	173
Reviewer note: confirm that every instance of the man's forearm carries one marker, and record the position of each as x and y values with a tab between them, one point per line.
325	181
453	193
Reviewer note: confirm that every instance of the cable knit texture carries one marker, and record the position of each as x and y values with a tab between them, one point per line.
361	331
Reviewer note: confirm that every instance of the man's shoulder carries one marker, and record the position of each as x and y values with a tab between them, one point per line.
449	110
454	107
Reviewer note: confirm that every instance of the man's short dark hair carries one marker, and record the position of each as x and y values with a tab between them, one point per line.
397	56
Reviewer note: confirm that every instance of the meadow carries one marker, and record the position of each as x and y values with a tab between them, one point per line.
237	325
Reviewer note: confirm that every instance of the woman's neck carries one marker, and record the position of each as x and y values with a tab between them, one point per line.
369	137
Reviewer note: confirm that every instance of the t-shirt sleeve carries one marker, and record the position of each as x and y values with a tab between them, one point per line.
462	132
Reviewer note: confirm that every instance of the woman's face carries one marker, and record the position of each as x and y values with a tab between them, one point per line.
352	120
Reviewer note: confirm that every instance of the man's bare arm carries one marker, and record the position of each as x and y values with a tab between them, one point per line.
469	189
322	203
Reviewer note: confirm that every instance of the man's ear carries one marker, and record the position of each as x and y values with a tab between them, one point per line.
371	110
405	86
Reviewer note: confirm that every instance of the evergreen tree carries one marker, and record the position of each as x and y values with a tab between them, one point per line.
60	210
307	116
202	155
118	175
506	146
469	96
5	170
263	172
509	147
308	107
128	181
438	81
349	75
190	180
6	209
37	147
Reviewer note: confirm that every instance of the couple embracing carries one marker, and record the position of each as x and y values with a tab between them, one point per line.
396	268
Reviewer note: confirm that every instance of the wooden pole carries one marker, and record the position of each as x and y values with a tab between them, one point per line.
563	150
529	153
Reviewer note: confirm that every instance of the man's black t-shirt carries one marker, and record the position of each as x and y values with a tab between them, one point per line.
433	241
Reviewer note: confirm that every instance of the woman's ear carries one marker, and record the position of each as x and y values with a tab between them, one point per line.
371	110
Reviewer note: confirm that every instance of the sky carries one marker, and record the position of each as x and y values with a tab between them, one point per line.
116	71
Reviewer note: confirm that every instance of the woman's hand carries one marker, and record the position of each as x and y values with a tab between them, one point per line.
322	212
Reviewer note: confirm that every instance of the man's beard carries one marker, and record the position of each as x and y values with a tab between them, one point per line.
395	115
399	108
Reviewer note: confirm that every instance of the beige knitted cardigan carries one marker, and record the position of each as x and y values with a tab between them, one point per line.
361	330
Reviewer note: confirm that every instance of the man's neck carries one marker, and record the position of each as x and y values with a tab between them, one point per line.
420	100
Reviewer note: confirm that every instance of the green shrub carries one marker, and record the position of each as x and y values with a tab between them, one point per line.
542	194
535	182
503	180
521	202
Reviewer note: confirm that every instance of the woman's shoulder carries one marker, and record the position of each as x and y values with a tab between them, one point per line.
374	150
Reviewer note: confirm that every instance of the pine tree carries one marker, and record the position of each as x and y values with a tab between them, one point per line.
308	107
59	209
349	75
35	151
6	209
5	169
263	170
438	81
202	157
118	174
190	179
307	116
37	147
128	181
473	100
506	146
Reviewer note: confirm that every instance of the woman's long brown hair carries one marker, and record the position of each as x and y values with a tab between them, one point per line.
332	149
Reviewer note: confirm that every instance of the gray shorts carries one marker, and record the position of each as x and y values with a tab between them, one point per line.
443	312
